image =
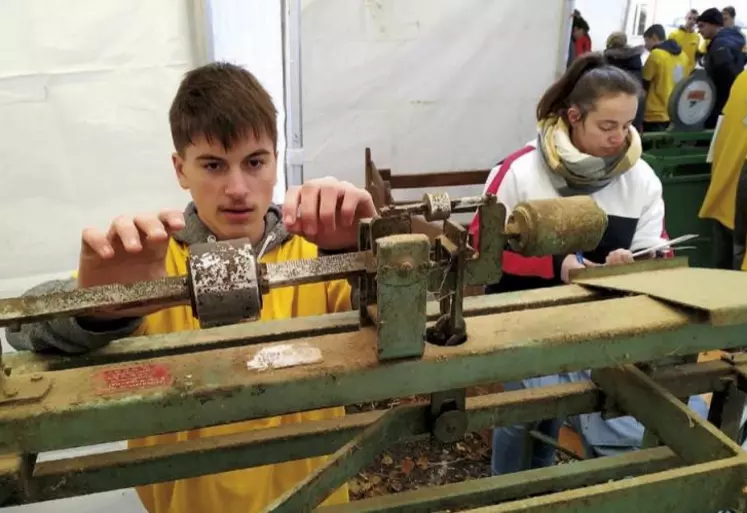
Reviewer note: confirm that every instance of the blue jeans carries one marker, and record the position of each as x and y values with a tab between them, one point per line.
600	437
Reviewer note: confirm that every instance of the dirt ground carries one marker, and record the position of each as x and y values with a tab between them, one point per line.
426	463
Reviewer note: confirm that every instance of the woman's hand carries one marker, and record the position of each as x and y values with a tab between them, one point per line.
572	262
619	257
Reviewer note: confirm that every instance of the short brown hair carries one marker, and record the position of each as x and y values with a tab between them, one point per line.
223	102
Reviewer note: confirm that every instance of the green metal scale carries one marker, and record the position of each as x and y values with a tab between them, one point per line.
678	156
617	321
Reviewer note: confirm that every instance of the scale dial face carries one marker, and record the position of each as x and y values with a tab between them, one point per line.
692	102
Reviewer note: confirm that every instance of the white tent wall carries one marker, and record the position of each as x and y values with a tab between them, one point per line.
604	17
429	85
84	98
85	88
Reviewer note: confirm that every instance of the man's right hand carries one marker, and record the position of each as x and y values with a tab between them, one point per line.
134	249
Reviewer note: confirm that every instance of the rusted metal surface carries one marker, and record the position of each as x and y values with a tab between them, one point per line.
711	486
487	268
225	282
164	292
437	206
220	389
401	292
665	415
722	295
16	390
180	460
137	348
314	270
424	208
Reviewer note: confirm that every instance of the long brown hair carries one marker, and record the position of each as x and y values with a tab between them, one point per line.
584	82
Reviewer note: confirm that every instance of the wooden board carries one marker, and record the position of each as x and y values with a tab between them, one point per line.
718	293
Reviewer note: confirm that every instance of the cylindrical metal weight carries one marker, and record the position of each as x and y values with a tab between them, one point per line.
224	284
556	226
437	206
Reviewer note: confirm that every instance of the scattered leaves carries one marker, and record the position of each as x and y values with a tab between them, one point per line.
407	466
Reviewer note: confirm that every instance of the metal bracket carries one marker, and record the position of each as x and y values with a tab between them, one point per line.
23	389
450	329
448	417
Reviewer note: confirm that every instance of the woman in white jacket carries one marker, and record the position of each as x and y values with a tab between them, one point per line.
586	144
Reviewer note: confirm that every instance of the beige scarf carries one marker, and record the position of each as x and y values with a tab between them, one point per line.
583	173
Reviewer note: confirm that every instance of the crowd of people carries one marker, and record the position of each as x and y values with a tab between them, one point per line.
709	39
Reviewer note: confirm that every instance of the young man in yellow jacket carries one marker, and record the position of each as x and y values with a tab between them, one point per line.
726	199
666	65
688	39
223	125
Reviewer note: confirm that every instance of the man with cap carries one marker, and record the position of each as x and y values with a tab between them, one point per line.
724	59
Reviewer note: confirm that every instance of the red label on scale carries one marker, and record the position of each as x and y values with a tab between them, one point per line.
135	377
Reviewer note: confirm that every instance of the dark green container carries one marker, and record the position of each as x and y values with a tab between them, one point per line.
679	159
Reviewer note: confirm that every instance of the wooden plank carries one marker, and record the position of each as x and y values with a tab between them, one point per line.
698	288
439	179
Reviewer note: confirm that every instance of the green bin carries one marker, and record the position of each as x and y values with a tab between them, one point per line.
679	159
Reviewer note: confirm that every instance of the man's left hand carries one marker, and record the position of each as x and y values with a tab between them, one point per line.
326	211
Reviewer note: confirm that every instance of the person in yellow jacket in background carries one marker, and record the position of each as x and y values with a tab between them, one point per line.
223	125
665	67
688	39
722	203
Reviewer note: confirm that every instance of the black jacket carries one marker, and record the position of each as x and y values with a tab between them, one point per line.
629	59
724	60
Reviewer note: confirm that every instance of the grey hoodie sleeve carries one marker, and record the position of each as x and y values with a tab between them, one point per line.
67	334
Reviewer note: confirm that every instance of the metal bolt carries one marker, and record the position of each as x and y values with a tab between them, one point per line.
37	377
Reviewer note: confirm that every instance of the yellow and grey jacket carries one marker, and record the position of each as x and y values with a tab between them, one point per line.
240	491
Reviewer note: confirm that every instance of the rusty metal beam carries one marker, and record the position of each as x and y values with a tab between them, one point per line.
712	486
138	348
665	415
142	465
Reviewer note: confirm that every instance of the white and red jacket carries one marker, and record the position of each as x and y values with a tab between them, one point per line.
633	203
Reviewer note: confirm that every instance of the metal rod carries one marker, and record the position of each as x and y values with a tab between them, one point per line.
314	270
555	444
459	205
173	291
165	292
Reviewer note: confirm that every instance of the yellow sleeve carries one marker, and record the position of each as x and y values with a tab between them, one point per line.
338	296
674	35
650	68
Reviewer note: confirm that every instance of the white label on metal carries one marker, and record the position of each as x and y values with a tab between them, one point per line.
284	355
